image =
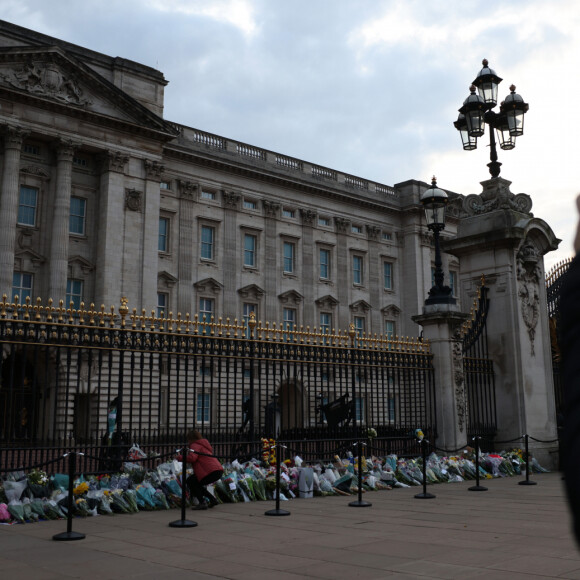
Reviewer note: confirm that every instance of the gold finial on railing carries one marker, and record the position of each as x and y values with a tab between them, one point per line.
123	310
252	323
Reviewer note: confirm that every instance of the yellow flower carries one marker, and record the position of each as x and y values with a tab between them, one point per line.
81	488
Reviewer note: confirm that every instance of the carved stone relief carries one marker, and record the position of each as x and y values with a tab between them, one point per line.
187	189
133	199
308	216
529	276
373	232
46	79
153	170
496	195
342	225
459	379
36	171
270	209
231	199
114	161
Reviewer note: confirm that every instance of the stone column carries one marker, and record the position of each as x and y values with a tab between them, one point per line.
375	267
441	324
231	202
187	191
59	240
271	252
147	297
343	264
498	237
13	139
308	267
110	233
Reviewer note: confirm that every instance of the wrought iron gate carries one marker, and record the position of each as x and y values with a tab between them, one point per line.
478	370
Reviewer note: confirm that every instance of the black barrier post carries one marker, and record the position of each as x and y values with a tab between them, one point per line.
69	535
424	495
183	523
360	502
277	511
527	480
477	487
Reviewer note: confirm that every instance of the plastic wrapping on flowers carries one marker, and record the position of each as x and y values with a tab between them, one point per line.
38	496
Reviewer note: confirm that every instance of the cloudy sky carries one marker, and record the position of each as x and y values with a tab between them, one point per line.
368	87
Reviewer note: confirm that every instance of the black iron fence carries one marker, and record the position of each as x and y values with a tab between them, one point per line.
554	280
102	380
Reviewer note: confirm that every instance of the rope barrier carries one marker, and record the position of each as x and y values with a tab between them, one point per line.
511	440
544	441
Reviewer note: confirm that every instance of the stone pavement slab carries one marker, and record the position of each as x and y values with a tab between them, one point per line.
509	531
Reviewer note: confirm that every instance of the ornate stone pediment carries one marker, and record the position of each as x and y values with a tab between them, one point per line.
391	310
78	264
290	297
51	74
360	307
166	279
252	291
327	301
28	258
208	285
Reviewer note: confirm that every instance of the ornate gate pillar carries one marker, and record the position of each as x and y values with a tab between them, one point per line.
441	327
499	237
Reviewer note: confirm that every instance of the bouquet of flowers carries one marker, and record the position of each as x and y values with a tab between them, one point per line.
37	506
160	499
52	510
371	433
16	510
14	489
4	513
81	507
60	481
172	491
81	489
246	486
145	495
225	489
118	503
104	507
130	496
104	481
38	483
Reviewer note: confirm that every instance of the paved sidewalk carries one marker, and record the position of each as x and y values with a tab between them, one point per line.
510	531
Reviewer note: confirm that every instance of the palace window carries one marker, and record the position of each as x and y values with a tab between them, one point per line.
27	205
207	242
77	216
162	304
357	270
163	243
387	275
74	293
324	264
289	257
21	286
250	246
203	407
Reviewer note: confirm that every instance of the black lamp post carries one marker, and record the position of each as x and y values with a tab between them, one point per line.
477	111
434	200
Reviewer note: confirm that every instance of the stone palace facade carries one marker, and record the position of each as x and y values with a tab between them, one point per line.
102	198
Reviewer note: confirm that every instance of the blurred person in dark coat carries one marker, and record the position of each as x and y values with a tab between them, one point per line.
570	348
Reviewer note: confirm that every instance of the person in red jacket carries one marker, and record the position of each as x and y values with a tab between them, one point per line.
206	469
